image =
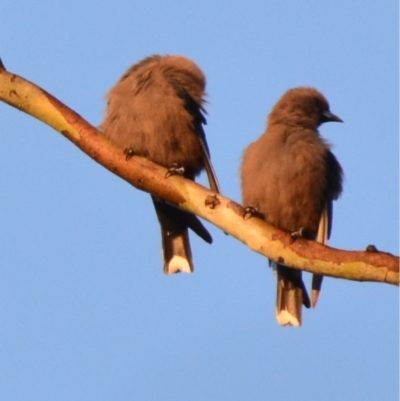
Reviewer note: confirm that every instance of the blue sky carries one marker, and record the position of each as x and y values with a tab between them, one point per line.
85	310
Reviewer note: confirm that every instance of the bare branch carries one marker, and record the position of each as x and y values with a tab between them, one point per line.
227	214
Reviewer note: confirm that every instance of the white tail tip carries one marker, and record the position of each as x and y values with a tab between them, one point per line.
284	318
178	264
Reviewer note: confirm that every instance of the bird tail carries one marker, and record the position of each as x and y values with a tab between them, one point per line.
291	295
176	252
174	225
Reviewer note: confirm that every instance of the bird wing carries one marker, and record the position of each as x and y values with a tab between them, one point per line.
334	177
325	223
211	176
197	110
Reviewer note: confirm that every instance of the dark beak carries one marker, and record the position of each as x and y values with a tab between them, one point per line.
328	116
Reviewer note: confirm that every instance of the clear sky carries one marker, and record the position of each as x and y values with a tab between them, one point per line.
85	310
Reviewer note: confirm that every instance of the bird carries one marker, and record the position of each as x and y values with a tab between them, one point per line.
290	178
156	110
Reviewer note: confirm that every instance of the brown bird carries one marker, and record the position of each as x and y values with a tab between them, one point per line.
156	111
290	176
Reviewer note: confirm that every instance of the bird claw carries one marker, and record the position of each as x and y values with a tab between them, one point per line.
175	170
128	152
251	211
296	234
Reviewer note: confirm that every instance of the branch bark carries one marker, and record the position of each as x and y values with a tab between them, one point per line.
218	210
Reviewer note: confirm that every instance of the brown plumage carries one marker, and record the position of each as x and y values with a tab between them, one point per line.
290	175
156	111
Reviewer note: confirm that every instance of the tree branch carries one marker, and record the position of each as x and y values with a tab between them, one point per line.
218	210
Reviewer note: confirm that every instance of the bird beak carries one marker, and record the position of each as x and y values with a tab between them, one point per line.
328	116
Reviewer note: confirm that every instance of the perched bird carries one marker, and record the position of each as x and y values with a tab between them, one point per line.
156	111
290	176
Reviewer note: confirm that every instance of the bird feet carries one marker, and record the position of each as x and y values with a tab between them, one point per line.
251	211
296	234
128	152
175	169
